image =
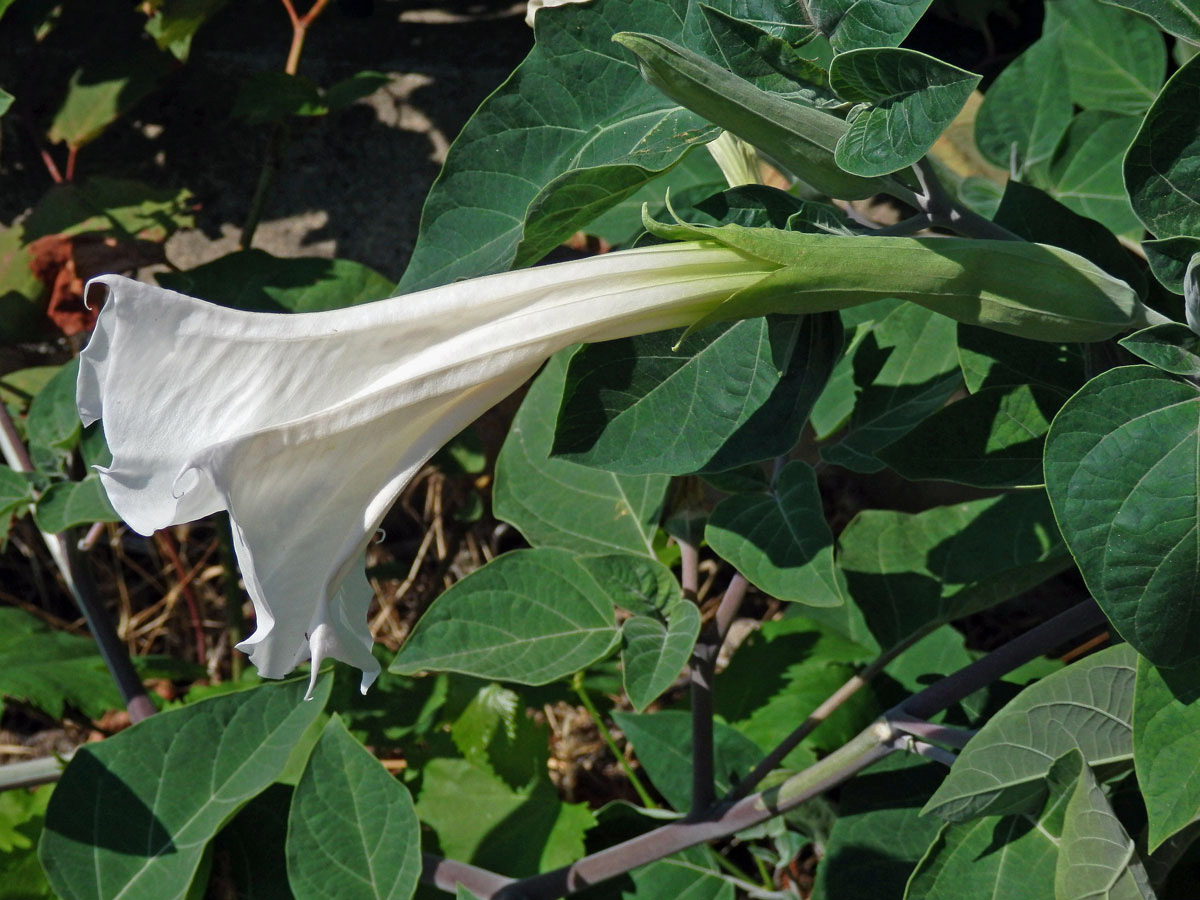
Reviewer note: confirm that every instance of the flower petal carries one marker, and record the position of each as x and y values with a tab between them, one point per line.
307	427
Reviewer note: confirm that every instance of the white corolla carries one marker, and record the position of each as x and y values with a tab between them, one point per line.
306	427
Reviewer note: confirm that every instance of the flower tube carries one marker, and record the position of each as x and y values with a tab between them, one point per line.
306	427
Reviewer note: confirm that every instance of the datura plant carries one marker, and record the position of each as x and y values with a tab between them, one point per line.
307	427
901	368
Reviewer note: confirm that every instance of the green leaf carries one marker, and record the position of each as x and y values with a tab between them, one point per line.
1115	60
102	91
1096	858
1086	707
1170	346
53	421
908	573
254	843
780	675
6	100
555	157
769	62
1036	216
657	639
1179	17
732	393
663	744
357	86
22	295
477	818
50	669
692	874
1162	167
1025	111
879	835
530	616
993	360
991	439
1166	746
1121	471
129	816
1005	858
67	504
1086	173
271	95
174	23
352	830
15	493
1169	259
21	819
654	652
555	503
798	136
780	540
122	207
904	369
913	98
257	281
864	23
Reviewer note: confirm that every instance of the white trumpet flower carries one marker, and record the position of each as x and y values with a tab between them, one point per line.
306	427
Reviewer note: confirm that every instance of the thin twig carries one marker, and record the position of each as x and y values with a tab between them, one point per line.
943	734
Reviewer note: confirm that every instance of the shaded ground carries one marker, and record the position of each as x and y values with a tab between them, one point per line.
352	182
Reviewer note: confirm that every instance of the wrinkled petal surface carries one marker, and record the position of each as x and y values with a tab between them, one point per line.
306	427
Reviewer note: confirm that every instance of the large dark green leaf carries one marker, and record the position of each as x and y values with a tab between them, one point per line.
692	874
912	97
1087	707
1166	746
1162	167
1115	60
49	669
256	280
779	540
1025	111
548	156
479	818
864	23
1180	17
879	835
555	503
530	616
663	745
1003	858
1086	175
732	393
783	672
1169	259
908	573
1121	470
903	369
352	830
132	815
991	439
1036	216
